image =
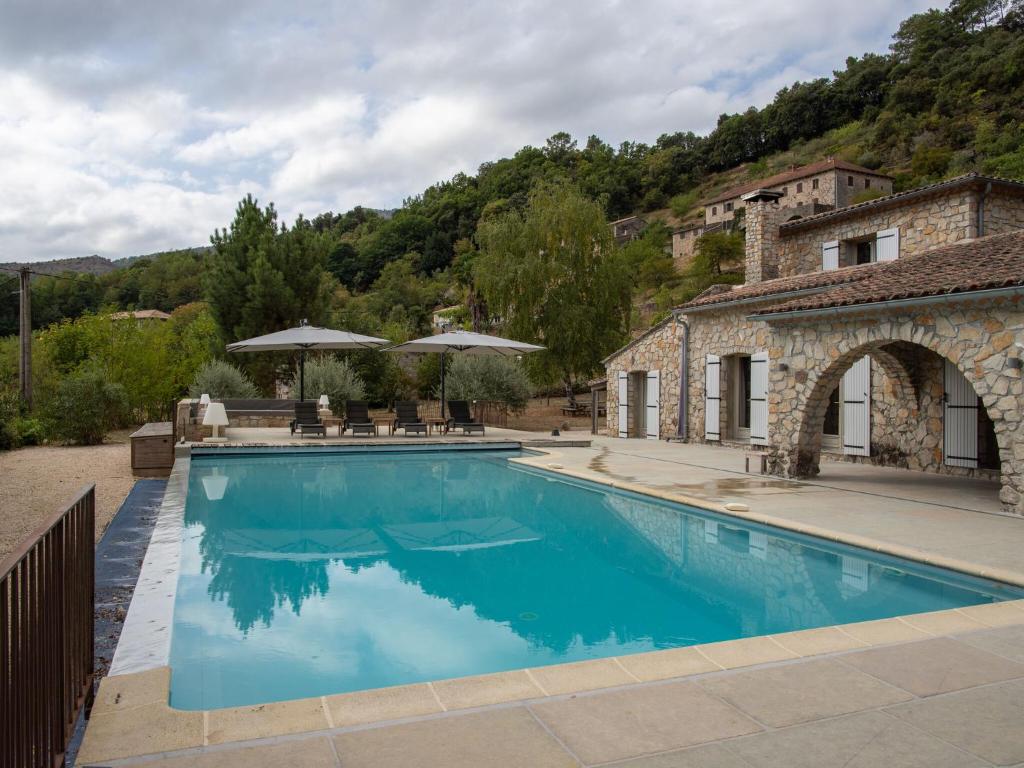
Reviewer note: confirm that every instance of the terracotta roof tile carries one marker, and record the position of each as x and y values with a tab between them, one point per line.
996	261
793	175
726	294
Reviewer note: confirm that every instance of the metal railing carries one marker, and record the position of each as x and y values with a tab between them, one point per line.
46	636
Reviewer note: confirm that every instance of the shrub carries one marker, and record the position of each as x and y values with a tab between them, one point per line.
10	412
30	431
488	378
85	407
221	380
333	377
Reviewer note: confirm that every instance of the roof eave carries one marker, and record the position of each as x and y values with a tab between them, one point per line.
941	298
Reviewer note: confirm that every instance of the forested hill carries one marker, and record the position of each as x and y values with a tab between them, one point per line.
947	98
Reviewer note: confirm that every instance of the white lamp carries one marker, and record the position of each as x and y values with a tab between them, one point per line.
325	403
215	417
204	399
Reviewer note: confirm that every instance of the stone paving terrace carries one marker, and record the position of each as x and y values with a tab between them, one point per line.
939	689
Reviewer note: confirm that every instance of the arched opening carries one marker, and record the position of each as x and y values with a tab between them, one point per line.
927	413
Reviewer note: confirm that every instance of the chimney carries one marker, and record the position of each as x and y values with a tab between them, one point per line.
762	235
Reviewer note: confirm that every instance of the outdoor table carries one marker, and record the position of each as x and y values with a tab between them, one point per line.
439	424
383	421
333	421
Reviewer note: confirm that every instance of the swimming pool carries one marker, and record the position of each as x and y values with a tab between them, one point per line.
310	573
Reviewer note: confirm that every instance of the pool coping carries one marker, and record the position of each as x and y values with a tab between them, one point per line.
132	717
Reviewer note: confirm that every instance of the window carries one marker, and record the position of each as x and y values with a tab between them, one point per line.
714	210
849	181
799	188
728	207
814	183
785	191
864	253
867	183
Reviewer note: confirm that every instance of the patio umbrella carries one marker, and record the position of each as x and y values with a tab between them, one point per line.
303	338
468	343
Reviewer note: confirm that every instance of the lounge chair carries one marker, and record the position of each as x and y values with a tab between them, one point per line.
407	417
307	420
462	419
357	418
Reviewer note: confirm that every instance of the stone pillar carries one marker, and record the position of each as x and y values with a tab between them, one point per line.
762	235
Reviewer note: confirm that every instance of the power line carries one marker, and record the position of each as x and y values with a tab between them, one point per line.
44	274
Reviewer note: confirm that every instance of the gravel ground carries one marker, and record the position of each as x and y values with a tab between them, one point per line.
543	416
36	482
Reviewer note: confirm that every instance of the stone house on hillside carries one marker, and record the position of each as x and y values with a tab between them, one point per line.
889	332
803	191
628	229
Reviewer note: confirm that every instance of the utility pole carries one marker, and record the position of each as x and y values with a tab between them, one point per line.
25	337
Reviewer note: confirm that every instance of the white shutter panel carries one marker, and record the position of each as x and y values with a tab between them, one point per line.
623	404
759	398
887	245
855	393
713	398
960	425
830	255
653	405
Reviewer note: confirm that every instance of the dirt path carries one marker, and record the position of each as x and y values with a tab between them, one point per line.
36	482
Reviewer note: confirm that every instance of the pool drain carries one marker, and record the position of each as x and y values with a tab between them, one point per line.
528	616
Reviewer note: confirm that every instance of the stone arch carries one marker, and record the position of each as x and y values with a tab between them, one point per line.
799	455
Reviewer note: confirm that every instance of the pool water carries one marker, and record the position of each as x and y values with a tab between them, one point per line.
316	573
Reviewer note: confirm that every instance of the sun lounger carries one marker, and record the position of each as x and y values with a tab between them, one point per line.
357	418
407	417
462	419
307	420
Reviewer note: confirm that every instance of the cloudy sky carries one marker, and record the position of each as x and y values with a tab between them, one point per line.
132	127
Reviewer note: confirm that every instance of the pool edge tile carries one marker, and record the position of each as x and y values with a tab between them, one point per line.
378	705
818	641
668	664
144	730
1008	613
580	676
948	622
118	693
746	652
483	690
261	721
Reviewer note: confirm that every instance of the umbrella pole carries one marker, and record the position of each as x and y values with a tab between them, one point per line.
302	374
442	385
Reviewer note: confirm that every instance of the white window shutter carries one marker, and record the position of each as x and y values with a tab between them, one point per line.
830	255
623	404
759	398
887	245
855	394
653	405
713	398
960	423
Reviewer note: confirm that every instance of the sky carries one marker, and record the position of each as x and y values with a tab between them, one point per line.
134	127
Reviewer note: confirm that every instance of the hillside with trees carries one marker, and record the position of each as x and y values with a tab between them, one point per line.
947	98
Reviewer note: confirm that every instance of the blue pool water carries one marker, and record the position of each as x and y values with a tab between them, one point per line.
316	573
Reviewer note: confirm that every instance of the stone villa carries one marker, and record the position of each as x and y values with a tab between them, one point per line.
803	191
890	332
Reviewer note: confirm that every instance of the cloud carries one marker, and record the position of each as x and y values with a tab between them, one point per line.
133	128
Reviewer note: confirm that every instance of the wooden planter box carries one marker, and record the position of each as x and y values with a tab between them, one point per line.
153	450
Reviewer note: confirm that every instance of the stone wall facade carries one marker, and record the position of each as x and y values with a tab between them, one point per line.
945	218
833	188
979	338
658	350
684	247
907	351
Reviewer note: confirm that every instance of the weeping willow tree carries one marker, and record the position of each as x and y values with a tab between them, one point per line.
553	276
